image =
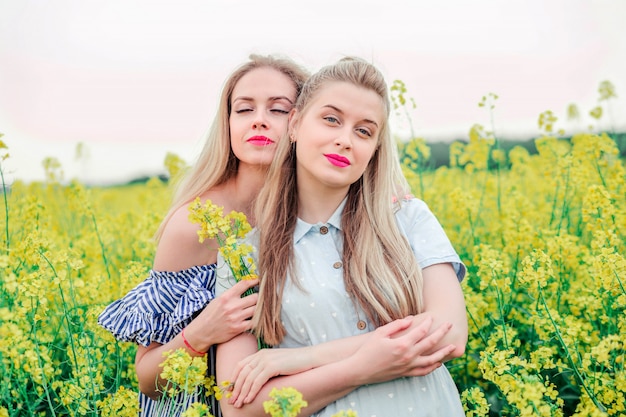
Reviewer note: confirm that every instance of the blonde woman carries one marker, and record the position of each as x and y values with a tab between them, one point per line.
344	269
175	307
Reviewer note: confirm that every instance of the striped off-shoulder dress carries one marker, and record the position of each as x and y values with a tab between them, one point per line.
157	310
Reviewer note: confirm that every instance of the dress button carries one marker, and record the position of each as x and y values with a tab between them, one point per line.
323	230
361	325
337	265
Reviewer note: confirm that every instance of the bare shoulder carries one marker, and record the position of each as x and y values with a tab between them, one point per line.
221	196
179	247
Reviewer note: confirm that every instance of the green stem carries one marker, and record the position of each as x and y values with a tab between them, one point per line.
102	249
577	374
43	375
65	311
501	310
483	338
6	209
564	209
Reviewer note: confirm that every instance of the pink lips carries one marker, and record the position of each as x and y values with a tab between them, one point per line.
260	140
337	160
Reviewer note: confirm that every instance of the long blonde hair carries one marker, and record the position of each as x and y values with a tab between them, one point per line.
217	163
381	273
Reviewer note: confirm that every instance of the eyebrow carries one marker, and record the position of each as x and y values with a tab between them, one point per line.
338	110
273	98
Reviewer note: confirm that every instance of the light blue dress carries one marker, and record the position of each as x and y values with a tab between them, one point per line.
324	312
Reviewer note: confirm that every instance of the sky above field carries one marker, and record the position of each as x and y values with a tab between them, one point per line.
132	80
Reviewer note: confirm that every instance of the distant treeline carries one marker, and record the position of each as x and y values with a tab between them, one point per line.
440	152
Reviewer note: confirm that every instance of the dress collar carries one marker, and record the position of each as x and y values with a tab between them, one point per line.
302	227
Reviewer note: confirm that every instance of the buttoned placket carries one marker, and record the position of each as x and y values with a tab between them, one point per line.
361	324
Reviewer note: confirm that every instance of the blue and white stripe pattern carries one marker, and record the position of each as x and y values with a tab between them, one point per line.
157	310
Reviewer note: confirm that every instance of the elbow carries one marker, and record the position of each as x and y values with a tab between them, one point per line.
149	389
459	340
459	350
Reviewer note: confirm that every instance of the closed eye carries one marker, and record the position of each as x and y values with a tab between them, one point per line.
242	111
281	111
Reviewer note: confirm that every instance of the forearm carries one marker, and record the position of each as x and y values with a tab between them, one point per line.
149	365
444	302
383	355
319	387
456	336
335	350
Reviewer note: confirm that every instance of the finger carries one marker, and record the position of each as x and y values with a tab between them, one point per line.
248	312
244	387
238	382
237	371
249	301
434	358
394	327
255	387
245	285
425	370
430	341
417	333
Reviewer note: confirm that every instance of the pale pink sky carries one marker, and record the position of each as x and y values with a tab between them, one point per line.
133	80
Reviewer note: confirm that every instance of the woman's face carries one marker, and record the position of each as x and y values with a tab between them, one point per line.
336	136
260	106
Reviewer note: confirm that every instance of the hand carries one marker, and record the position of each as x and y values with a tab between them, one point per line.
252	372
224	317
397	350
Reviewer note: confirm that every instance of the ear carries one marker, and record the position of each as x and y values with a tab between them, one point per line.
293	122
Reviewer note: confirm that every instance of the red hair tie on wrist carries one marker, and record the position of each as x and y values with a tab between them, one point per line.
197	352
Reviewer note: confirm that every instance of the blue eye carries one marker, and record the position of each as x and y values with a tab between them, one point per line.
331	119
364	132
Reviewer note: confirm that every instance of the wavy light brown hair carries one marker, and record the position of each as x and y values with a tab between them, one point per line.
217	163
380	270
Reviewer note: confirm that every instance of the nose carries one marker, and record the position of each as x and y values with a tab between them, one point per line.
259	122
343	139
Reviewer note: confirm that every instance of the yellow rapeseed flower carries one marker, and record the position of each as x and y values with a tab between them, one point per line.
197	410
572	112
224	389
546	121
182	372
596	112
606	90
284	402
124	403
474	402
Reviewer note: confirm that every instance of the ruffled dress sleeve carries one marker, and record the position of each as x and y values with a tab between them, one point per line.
159	308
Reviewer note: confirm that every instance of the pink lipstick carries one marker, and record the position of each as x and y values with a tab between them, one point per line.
337	160
260	140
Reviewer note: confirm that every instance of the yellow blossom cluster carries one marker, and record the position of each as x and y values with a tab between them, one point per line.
284	402
66	251
227	231
184	373
544	242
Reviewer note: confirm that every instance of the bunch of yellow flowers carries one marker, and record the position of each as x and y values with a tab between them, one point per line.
227	230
